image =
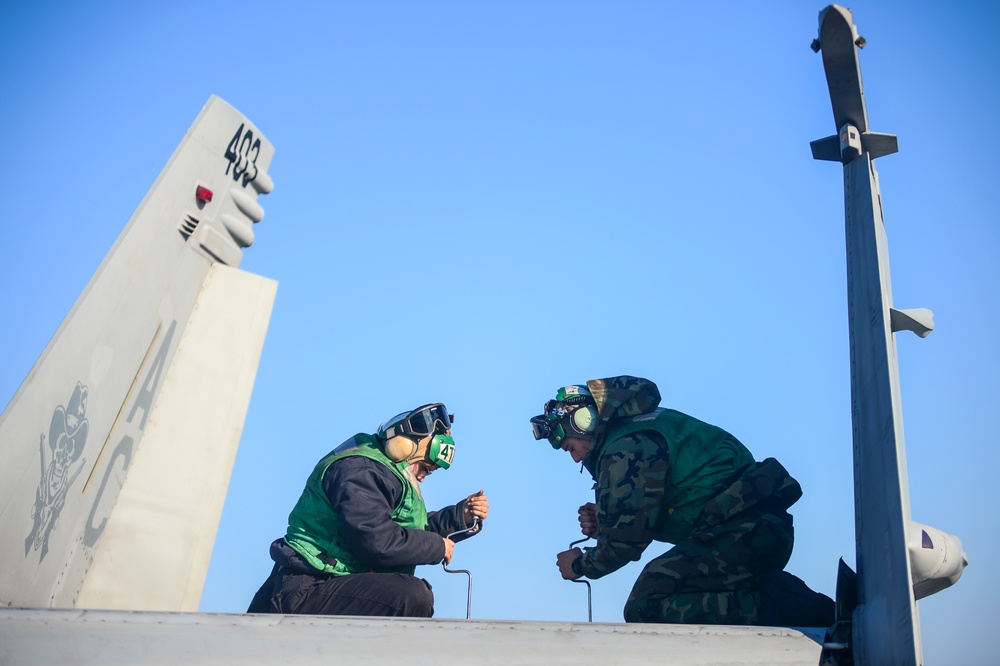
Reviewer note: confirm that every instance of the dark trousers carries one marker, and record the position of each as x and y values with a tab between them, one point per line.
382	594
714	576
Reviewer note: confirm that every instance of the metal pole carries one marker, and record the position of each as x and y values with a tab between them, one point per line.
590	601
468	603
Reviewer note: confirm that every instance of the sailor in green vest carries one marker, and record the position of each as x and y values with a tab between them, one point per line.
664	476
360	527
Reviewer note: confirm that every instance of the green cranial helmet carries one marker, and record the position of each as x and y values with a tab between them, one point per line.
573	413
410	427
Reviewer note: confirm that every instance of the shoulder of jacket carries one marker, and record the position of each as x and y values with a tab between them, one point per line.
357	464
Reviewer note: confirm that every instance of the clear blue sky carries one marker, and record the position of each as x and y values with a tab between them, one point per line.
477	203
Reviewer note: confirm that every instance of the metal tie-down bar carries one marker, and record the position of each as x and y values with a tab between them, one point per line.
590	602
468	603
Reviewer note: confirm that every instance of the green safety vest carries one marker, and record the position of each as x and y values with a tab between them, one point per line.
314	528
702	458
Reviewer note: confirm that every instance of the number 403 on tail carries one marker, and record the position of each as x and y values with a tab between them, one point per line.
242	154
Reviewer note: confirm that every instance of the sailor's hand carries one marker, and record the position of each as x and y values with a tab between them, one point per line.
588	520
476	506
449	549
564	561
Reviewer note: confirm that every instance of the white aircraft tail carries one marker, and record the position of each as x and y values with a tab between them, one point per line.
118	445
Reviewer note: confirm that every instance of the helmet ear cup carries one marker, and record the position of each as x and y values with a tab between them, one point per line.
585	419
400	448
441	451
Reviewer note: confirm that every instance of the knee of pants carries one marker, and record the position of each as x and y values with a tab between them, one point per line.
418	600
642	609
723	607
631	612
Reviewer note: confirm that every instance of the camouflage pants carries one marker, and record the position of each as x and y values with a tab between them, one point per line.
713	577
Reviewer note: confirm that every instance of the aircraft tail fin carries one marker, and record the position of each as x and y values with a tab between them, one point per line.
103	430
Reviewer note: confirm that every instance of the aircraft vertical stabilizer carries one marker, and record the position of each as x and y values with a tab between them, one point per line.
134	408
898	560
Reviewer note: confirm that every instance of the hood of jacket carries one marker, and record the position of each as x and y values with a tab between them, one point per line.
619	398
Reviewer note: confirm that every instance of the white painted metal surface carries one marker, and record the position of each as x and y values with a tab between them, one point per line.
109	638
79	421
154	555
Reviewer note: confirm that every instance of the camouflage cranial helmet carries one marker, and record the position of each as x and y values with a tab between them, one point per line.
573	413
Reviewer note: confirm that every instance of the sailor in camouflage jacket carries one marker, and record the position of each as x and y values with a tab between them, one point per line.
664	476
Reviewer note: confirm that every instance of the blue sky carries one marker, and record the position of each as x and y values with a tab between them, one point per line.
477	203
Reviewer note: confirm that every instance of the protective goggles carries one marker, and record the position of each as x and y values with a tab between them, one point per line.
575	416
431	419
542	428
441	451
548	426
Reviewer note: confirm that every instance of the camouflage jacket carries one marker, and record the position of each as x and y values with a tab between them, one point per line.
665	483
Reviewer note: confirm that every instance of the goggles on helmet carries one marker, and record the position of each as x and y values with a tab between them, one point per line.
432	419
549	425
542	428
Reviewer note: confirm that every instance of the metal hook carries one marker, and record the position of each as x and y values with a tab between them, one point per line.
590	602
468	604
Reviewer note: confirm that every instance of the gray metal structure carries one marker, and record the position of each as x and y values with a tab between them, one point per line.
894	555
